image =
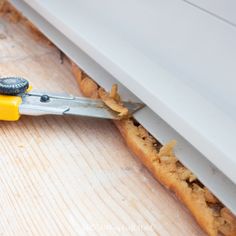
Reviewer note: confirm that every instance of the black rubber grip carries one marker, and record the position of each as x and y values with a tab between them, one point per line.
13	85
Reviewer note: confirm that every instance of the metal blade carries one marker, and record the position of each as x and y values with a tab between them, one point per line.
56	104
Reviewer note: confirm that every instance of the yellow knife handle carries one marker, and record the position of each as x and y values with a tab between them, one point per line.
9	107
10	87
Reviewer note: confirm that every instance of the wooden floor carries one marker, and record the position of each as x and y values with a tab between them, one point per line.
71	175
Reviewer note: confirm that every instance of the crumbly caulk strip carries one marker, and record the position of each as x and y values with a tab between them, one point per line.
92	90
112	100
209	212
160	160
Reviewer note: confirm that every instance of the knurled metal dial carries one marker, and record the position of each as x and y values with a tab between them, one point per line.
13	85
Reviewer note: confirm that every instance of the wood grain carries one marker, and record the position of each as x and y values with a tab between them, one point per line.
72	175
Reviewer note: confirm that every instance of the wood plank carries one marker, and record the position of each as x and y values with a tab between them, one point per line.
71	175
